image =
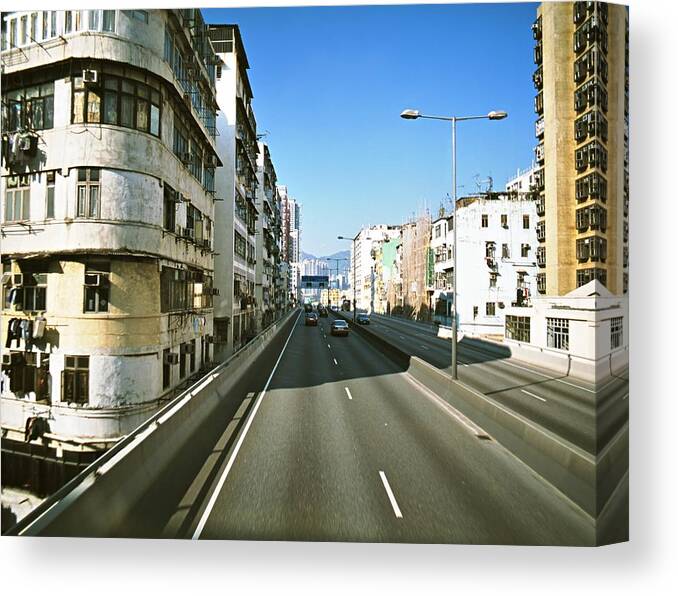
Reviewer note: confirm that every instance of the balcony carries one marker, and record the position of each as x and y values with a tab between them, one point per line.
538	53
541	256
536	29
539	128
541	206
538	78
539	153
541	231
539	103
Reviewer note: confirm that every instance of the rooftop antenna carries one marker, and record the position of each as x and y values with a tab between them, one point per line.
261	135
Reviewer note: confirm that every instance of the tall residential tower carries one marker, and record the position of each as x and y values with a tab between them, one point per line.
581	53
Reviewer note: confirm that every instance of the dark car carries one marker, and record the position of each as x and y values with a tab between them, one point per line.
363	319
322	311
311	318
339	327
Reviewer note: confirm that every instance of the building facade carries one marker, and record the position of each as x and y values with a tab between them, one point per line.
496	266
269	229
291	243
236	308
108	172
581	78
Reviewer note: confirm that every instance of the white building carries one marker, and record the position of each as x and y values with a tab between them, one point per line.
236	186
108	167
363	255
524	180
292	241
496	241
583	334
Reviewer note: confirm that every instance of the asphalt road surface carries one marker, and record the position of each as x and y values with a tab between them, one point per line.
579	412
342	445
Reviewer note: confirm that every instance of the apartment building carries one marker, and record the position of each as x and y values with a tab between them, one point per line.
364	251
581	78
107	183
496	266
523	181
291	243
235	310
269	229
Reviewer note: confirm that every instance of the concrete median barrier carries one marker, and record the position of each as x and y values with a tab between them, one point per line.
99	500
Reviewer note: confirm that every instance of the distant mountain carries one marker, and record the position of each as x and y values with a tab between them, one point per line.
342	254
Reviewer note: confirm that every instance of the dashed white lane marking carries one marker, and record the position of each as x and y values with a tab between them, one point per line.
328	345
401	337
229	465
424	348
533	395
335	361
390	494
348	393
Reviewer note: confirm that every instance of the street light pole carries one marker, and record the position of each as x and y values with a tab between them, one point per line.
494	115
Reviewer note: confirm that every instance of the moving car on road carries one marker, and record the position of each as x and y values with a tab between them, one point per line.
339	327
311	318
363	319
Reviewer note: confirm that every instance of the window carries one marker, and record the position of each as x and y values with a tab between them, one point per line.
75	380
35	292
30	108
139	15
87	198
616	332
176	289
166	369
182	361
526	222
97	287
108	21
524	250
240	246
437	231
586	275
490	308
518	328
475	312
484	220
489	250
25	376
18	199
49	196
505	253
504	220
192	356
169	208
558	333
180	144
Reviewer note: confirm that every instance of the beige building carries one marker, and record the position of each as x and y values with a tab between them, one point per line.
581	53
108	168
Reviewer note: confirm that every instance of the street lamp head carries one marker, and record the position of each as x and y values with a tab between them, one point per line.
410	114
497	115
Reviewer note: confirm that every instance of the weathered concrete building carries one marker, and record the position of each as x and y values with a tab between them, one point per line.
496	265
291	242
236	214
268	237
108	173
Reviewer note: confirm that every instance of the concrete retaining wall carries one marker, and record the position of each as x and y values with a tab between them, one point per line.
97	502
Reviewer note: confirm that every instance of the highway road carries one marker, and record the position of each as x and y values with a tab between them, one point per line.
570	408
340	444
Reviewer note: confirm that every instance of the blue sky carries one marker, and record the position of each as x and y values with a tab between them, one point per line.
329	84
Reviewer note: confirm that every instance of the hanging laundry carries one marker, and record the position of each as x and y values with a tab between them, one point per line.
13	332
39	327
26	327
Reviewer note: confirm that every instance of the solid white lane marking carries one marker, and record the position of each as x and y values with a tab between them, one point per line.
229	465
533	395
348	393
391	496
335	361
448	408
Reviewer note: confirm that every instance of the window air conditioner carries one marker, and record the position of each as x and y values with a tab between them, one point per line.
18	279
6	278
6	359
90	77
171	358
93	279
187	348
